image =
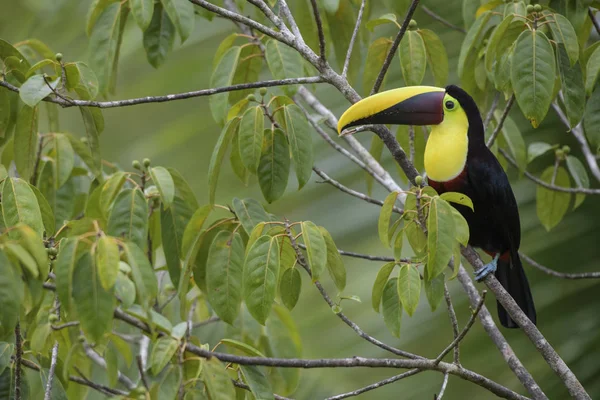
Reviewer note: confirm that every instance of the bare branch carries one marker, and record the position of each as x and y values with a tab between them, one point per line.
207	321
453	321
594	21
65	325
319	22
18	357
546	184
500	123
442	20
490	113
96	386
352	192
264	8
177	96
285	10
140	365
443	388
98	359
392	52
465	330
375	385
53	362
353	38
564	275
370	257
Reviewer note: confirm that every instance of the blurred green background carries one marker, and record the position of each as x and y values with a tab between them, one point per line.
182	135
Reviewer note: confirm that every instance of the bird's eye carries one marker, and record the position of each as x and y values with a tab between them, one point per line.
449	105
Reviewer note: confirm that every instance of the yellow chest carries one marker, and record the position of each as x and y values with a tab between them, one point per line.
446	153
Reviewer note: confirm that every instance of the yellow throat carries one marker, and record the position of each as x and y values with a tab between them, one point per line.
448	143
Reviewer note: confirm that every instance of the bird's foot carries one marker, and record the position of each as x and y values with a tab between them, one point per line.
487	269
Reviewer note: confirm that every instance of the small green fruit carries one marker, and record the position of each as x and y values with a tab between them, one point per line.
58	57
560	154
136	164
251	97
146	162
81	338
537	8
566	149
262	91
52	318
412	25
529	9
418	180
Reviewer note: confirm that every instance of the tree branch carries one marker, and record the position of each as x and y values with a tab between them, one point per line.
564	275
395	44
500	123
442	20
594	21
96	386
176	96
319	22
490	113
98	359
353	38
375	385
18	357
453	321
53	357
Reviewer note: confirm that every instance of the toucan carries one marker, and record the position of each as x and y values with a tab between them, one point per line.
458	160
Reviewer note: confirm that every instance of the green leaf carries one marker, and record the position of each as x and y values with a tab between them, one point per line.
434	290
159	36
383	226
580	176
162	352
552	205
64	159
250	137
437	58
591	120
413	58
533	71
537	149
461	228
563	33
104	45
244	347
181	12
34	244
247	70
64	267
392	307
217	381
440	230
198	254
128	217
274	165
22	257
572	86
249	212
6	350
235	160
285	342
261	272
258	382
409	288
164	182
82	79
7	50
223	76
111	188
341	23
26	140
11	295
384	19
290	287
125	290
592	70
511	134
458	198
316	249
491	53
142	12
93	128
35	89
468	50
299	136
173	222
335	264
225	45
193	229
6	121
183	189
142	274
224	272
379	285
94	304
376	150
376	55
107	261
20	206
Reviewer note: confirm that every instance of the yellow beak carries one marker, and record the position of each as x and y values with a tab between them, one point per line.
411	105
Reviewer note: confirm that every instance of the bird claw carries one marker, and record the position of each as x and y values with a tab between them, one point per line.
487	269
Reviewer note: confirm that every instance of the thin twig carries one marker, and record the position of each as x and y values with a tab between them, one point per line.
18	357
242	385
442	20
395	44
53	357
501	121
353	38
594	21
369	257
100	388
352	192
465	330
375	385
287	14
546	184
140	366
490	113
211	320
443	388
177	96
563	275
319	22
98	359
65	325
453	321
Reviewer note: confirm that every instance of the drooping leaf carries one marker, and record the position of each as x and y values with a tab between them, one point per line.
93	303
563	33
247	71
217	381
335	264
26	141
183	189
376	55
341	23
104	44
290	287
261	272
63	268
382	20
244	347
380	281
258	382
142	274
142	12
128	217
34	245
181	12
468	51
224	272
20	206
172	226
511	135
110	189
580	176
164	182
316	249
162	351
64	159
572	86
458	198
159	36
223	76
591	120
250	213
35	89
434	290
552	205
383	226
437	58
250	137
22	257
440	239
274	165
107	261
495	39
461	228
592	70
193	229
92	130
537	149
11	295
532	75
284	62
392	307
409	288
413	58
299	137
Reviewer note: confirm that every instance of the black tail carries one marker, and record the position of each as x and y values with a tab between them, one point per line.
512	277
